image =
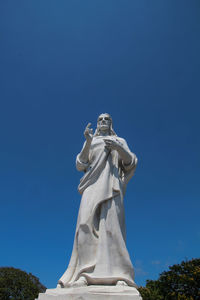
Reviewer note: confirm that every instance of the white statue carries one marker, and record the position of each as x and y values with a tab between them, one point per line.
99	255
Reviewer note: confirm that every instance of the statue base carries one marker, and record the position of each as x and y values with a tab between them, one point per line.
92	292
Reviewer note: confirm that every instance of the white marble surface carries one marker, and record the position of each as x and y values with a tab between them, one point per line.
94	292
99	253
100	267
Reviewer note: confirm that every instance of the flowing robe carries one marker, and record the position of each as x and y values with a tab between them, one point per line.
99	252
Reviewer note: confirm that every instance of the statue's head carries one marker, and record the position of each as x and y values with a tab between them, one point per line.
104	125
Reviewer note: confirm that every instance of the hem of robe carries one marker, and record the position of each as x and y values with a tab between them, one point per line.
111	280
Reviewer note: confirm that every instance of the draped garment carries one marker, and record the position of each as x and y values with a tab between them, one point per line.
99	252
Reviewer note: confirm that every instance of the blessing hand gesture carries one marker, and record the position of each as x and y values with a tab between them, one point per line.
88	133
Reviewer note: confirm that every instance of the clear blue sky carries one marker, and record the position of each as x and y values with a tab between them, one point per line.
62	64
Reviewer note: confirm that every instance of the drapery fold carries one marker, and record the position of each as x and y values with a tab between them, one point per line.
99	252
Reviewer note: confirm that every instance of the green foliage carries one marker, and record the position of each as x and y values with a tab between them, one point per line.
151	291
16	284
181	282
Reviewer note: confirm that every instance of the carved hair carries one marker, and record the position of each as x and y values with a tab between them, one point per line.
112	132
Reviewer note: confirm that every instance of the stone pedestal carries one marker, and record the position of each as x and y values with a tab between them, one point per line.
93	292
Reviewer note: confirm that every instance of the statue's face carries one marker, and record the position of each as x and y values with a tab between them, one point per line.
104	122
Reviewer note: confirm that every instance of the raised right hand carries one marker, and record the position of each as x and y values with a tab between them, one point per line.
88	133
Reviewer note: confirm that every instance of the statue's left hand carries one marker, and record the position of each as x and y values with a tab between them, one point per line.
113	144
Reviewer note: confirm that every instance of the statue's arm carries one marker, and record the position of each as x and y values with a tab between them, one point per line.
82	160
125	155
84	154
81	166
129	159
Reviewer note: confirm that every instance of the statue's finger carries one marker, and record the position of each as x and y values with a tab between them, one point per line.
88	125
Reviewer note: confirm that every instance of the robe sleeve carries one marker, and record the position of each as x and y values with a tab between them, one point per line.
132	164
127	171
80	165
134	159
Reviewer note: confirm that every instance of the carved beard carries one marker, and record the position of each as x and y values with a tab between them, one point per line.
111	130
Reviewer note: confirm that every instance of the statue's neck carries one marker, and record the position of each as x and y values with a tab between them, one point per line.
104	133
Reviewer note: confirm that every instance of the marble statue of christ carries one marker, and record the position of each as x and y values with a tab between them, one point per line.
99	255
